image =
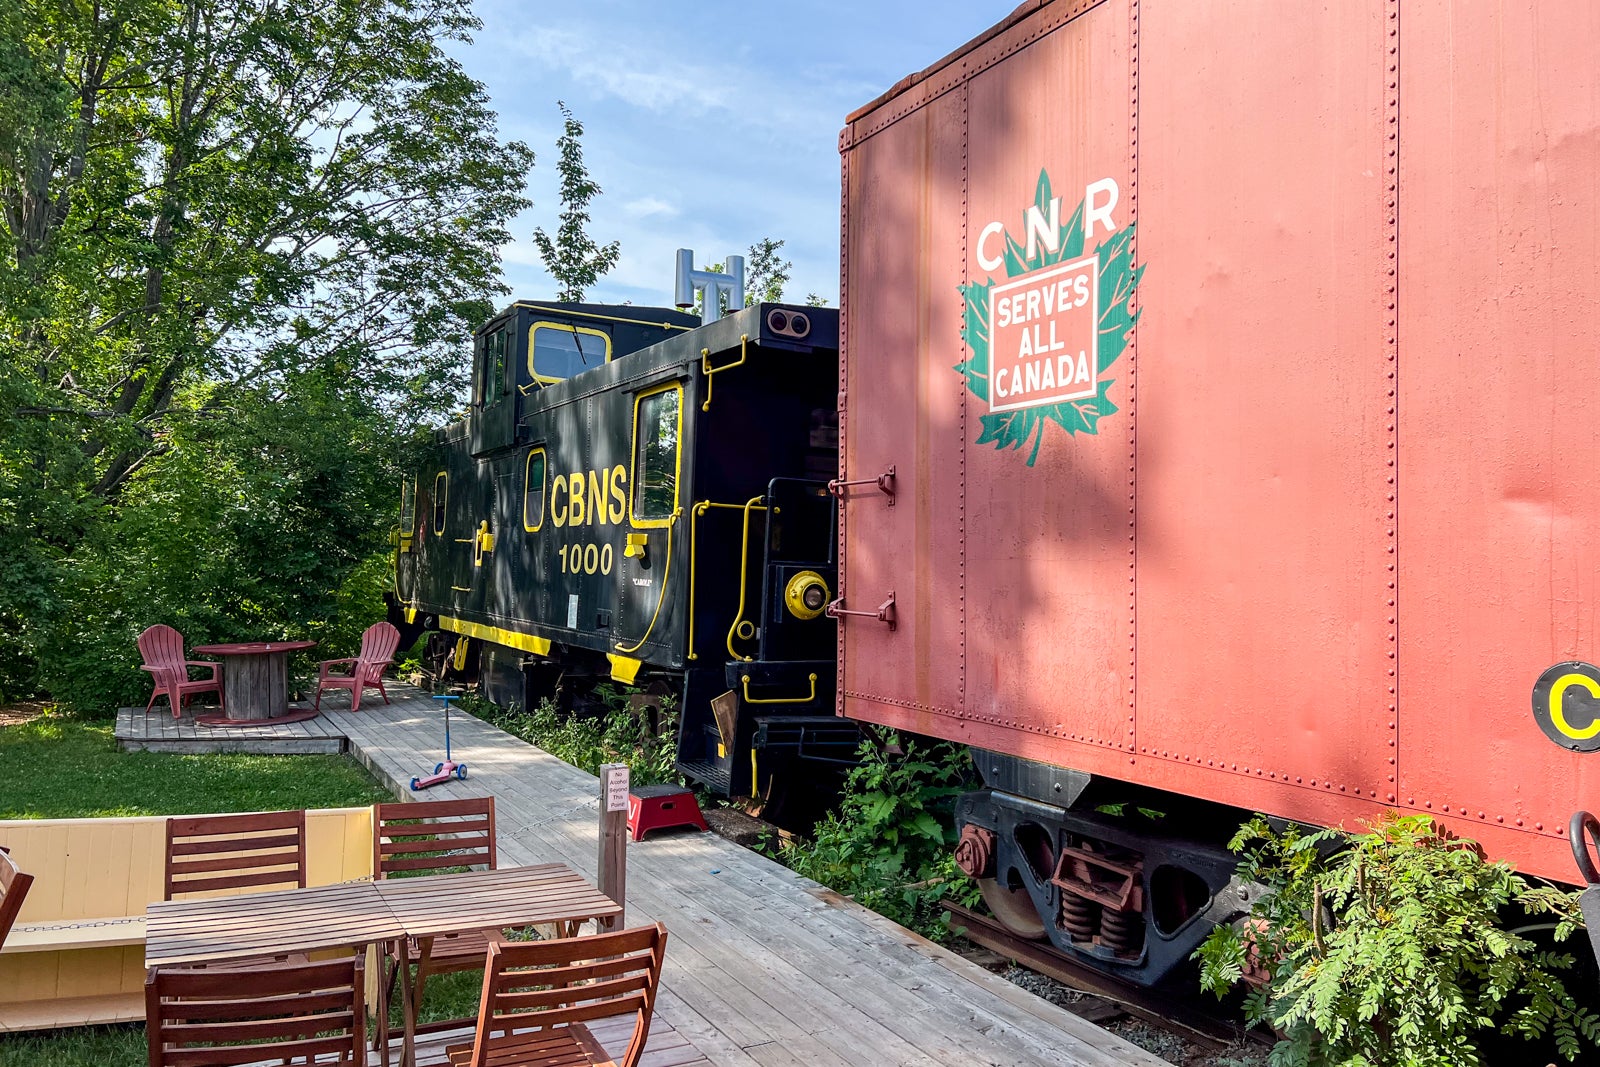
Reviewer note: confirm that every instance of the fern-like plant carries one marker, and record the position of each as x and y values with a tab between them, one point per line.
1388	948
890	844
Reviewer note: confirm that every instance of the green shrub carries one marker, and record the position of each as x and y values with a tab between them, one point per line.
890	846
623	734
1388	948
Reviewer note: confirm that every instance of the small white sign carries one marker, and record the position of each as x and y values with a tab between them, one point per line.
572	611
616	788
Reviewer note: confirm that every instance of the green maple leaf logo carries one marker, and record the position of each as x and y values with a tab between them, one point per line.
1118	279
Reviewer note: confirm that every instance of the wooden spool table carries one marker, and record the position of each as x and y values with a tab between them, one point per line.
255	681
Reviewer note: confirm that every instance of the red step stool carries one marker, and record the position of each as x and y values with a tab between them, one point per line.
656	807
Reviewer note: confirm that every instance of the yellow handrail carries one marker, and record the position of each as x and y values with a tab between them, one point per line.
744	681
694	526
666	572
744	565
708	370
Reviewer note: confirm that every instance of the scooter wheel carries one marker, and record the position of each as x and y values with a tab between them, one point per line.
461	771
437	767
413	785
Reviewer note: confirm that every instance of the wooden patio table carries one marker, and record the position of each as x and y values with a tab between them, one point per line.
357	914
255	676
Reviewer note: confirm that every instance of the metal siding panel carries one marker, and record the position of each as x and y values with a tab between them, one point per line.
903	410
1500	234
1049	629
1263	458
1042	591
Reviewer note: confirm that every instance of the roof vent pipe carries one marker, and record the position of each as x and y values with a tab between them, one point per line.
713	287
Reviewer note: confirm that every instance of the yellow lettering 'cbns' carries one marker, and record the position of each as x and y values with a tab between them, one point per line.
590	498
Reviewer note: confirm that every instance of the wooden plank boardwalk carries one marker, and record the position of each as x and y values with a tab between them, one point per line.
666	1048
156	730
764	968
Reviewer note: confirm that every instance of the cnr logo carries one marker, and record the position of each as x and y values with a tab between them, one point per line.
1043	226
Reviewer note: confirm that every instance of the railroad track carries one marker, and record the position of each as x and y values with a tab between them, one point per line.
1168	1011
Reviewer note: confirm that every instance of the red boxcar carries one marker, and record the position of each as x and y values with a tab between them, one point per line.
1236	366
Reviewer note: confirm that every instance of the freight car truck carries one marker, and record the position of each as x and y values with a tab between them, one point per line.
1220	408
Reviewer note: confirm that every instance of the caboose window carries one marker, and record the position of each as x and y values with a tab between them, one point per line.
533	491
492	367
657	427
441	495
557	351
408	507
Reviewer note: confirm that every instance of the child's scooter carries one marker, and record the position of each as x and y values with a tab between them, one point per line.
443	772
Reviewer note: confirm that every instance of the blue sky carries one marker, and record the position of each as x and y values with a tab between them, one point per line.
708	125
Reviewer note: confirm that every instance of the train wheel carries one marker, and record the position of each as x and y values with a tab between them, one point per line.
1013	907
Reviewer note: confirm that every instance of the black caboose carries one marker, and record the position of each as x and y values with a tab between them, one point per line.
633	496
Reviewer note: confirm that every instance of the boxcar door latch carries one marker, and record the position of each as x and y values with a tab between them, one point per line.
885	612
884	482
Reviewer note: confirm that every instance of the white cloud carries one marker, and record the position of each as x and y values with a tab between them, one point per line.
646	206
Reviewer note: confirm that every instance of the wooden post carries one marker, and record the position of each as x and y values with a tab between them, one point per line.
613	865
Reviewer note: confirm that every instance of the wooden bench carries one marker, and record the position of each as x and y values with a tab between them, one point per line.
76	953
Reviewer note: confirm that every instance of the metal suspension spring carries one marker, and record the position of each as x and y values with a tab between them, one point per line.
1080	917
1122	932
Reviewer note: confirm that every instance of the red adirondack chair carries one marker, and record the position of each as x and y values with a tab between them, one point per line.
366	670
162	649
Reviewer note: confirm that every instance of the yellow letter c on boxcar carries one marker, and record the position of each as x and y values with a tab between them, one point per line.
1558	691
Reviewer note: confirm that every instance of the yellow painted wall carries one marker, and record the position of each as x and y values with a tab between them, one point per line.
106	868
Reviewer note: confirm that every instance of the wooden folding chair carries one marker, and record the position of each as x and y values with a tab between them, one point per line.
257	850
431	837
13	891
294	1012
537	996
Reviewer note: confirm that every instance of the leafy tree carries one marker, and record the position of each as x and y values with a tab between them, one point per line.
765	274
215	214
572	257
815	300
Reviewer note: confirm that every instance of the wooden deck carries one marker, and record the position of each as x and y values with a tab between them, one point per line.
764	968
157	731
667	1047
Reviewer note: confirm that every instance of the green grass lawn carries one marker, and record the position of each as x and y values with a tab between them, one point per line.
66	768
63	768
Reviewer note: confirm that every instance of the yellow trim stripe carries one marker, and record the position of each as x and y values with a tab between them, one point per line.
602	318
539	646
